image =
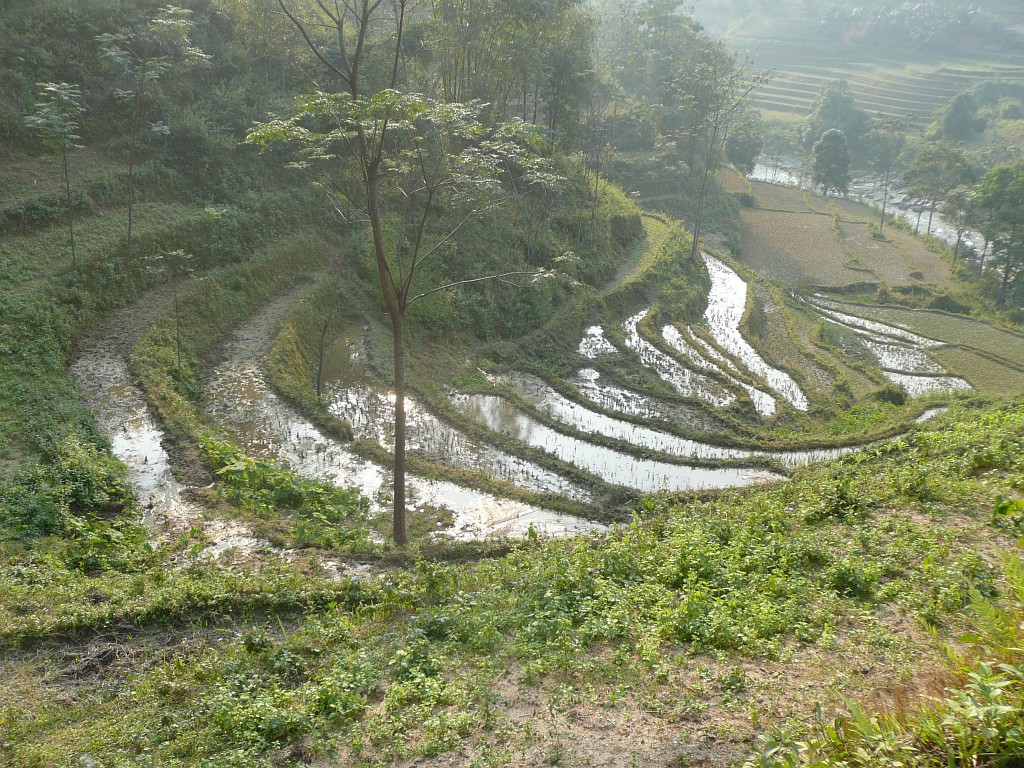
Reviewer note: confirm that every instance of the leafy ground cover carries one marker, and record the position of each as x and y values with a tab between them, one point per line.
975	719
700	625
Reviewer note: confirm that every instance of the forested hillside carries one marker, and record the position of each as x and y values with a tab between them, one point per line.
424	383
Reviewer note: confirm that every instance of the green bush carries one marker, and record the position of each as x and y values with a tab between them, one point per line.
80	482
43	211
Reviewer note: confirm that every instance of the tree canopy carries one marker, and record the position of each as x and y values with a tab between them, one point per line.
830	159
836	108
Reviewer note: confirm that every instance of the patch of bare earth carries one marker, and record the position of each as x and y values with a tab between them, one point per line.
900	259
785	242
692	710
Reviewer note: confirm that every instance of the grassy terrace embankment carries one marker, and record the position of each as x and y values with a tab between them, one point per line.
706	619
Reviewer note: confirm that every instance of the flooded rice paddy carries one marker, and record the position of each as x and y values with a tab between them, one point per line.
901	354
613	466
121	413
577	416
590	385
685	381
242	404
100	370
371	413
710	359
727	302
594	345
730	357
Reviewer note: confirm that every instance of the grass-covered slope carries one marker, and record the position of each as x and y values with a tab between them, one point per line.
710	618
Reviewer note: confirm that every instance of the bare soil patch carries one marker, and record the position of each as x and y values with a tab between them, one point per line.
795	249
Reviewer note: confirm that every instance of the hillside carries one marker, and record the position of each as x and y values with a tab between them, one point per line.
900	59
668	502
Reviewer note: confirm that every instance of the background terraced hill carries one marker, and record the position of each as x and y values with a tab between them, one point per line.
944	50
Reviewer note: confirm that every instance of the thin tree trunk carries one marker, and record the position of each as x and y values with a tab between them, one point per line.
917	226
394	302
397	331
1009	265
931	212
885	199
703	194
71	215
956	247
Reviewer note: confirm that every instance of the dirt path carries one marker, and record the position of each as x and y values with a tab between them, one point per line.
100	368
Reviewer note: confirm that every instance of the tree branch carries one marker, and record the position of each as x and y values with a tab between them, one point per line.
300	25
501	278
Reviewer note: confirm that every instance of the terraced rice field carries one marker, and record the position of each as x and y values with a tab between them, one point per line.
985	374
797	239
889	87
988	358
951	329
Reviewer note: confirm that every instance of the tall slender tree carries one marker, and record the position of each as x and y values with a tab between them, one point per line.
398	161
141	56
55	120
720	88
887	136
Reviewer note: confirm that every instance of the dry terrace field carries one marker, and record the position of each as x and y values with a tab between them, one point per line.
797	238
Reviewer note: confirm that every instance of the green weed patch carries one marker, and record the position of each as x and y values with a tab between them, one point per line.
404	667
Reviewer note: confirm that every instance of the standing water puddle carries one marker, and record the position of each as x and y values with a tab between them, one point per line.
727	301
101	373
900	353
612	466
243	405
594	345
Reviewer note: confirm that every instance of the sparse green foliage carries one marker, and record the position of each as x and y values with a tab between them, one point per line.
938	168
885	141
328	516
141	56
383	152
981	717
55	121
